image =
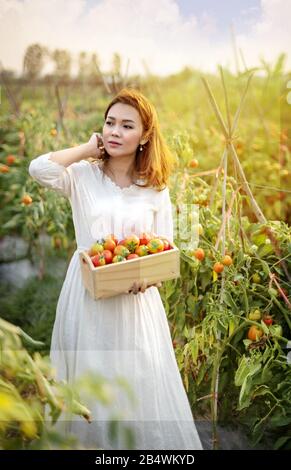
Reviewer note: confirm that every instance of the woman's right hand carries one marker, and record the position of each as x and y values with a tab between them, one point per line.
95	145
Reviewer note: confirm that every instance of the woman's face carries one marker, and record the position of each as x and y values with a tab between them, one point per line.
124	126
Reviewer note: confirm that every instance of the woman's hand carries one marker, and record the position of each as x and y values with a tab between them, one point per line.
141	287
95	146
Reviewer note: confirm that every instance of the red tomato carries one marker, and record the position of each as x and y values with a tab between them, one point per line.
268	320
144	238
166	243
132	256
113	237
98	260
108	256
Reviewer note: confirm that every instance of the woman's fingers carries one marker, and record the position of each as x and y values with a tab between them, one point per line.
141	287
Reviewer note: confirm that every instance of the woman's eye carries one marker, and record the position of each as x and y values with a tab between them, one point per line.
109	122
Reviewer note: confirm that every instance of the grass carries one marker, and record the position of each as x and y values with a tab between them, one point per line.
32	307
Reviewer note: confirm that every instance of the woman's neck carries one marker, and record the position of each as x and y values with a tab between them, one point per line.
119	170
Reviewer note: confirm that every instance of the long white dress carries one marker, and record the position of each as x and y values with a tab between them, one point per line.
126	335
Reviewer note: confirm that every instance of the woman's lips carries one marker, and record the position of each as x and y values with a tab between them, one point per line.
114	144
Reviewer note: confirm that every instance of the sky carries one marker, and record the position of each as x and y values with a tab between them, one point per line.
166	35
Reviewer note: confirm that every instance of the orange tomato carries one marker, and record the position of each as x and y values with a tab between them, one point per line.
118	259
27	200
142	250
155	245
131	243
121	250
254	333
114	238
199	254
218	267
193	163
109	244
227	260
10	159
4	169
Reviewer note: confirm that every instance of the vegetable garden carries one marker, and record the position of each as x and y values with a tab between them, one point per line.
229	312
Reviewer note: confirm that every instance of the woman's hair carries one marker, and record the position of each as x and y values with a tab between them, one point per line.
155	162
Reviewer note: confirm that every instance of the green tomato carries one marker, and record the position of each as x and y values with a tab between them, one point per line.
255	315
256	278
276	330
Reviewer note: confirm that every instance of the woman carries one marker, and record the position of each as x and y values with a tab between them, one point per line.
117	183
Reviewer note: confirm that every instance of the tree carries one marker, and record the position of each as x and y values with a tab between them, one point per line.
33	61
63	62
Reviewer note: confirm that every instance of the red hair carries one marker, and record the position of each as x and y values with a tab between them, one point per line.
155	162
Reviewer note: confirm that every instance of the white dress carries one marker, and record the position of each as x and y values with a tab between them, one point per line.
126	335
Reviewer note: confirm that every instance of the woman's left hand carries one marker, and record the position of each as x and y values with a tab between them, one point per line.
141	287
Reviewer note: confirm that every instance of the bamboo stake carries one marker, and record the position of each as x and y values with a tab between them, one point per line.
259	214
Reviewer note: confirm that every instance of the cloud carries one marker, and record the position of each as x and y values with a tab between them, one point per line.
150	30
270	35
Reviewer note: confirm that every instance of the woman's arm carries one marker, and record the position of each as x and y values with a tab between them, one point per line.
73	155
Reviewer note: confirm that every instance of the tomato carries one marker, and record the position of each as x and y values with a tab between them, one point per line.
268	320
54	132
283	291
193	163
144	238
166	243
57	243
109	244
108	256
121	250
4	169
95	249
98	260
142	250
276	330
256	278
199	254
255	315
113	237
155	245
227	260
27	200
255	333
118	259
131	243
132	256
10	159
218	267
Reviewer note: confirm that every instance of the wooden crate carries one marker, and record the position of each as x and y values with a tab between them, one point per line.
116	278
